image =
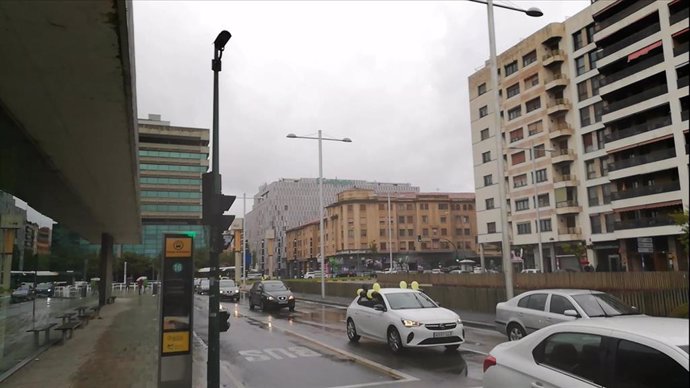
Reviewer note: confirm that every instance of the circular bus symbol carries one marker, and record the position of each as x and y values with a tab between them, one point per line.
178	245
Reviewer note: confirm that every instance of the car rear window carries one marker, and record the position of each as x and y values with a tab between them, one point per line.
603	305
537	302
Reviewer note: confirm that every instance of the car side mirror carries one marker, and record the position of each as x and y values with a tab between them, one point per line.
571	313
379	307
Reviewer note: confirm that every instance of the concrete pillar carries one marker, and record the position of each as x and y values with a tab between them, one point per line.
106	284
482	261
553	257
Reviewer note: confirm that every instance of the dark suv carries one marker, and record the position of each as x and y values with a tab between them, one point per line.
271	293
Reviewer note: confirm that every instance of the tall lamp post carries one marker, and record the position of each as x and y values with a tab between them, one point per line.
538	262
320	138
493	69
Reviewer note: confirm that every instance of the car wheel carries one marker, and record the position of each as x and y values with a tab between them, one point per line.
394	341
352	331
515	332
452	347
251	305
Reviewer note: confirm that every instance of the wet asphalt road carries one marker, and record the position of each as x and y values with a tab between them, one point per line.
309	348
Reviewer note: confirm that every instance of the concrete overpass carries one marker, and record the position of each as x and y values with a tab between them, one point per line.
68	133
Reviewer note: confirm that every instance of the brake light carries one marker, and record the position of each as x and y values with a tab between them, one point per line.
489	361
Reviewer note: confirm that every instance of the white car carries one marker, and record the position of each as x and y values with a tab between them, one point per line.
403	318
314	275
614	352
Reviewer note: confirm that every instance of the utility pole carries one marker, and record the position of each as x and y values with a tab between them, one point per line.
214	205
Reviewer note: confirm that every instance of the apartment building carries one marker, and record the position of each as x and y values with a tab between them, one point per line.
642	173
426	230
594	138
288	203
171	161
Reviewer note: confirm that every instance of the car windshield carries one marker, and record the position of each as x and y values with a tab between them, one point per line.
409	300
43	286
603	305
227	283
277	286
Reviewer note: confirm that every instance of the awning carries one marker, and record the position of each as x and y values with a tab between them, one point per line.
649	206
643	51
605	9
681	32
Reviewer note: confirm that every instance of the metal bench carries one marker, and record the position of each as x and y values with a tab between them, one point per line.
66	317
68	327
38	330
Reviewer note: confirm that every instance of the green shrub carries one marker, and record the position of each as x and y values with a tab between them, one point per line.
680	312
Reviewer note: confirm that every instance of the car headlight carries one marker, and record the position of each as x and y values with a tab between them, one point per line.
237	291
410	323
270	298
459	321
291	297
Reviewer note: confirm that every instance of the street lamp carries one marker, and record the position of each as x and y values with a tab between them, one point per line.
493	69
532	153
320	138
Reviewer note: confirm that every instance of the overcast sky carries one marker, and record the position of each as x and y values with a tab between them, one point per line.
392	76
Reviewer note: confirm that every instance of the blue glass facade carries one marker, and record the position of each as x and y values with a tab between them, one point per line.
152	238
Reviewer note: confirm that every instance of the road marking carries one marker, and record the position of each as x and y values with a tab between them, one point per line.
252	355
323	304
473	351
224	365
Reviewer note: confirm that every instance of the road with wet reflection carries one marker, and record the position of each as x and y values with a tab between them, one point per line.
309	348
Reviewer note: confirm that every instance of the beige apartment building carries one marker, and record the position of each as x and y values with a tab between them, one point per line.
427	230
559	89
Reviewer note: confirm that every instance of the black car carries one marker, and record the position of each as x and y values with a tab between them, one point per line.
45	289
23	293
271	293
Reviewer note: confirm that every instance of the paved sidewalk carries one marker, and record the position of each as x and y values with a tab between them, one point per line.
118	350
470	318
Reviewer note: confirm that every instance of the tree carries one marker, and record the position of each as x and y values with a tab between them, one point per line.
577	249
227	259
201	258
681	219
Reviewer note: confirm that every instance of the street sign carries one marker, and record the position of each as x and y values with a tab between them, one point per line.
176	316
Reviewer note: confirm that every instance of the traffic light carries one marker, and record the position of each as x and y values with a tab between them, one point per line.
214	205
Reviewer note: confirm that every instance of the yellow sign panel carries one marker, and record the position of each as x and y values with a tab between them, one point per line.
175	342
178	247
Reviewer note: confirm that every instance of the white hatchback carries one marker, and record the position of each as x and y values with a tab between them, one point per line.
403	318
614	352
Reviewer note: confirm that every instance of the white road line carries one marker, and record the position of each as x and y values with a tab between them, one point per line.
224	365
323	304
462	348
373	384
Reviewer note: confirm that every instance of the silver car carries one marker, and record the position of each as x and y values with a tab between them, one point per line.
533	310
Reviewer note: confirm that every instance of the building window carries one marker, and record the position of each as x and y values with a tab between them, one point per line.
595	84
425	232
535	127
524	228
515	112
489	203
468	231
588	142
517	158
582	91
442	206
594	56
532	81
580	65
484	134
540	175
530	57
490	227
444	219
590	33
424	206
520	181
585	120
483	111
425	219
601	140
444	232
577	40
522	204
511	68
401	219
593	196
488	180
481	89
486	157
543	200
595	222
410	220
545	225
516	135
363	233
401	232
591	169
533	104
513	90
539	151
598	111
606	191
383	246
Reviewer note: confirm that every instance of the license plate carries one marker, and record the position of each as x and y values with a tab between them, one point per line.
442	334
282	301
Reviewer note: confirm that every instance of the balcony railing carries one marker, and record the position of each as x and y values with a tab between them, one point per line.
650	125
563	178
683	81
633	7
646	94
632	38
644	222
566	203
679	15
630	70
643	159
646	190
681	48
551	54
569	230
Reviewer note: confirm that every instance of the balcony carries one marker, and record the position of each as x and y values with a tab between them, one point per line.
569	206
644	95
564	180
643	223
630	70
569	230
679	15
558	81
632	38
633	7
557	105
683	81
650	125
637	160
681	48
646	190
560	130
553	56
562	155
